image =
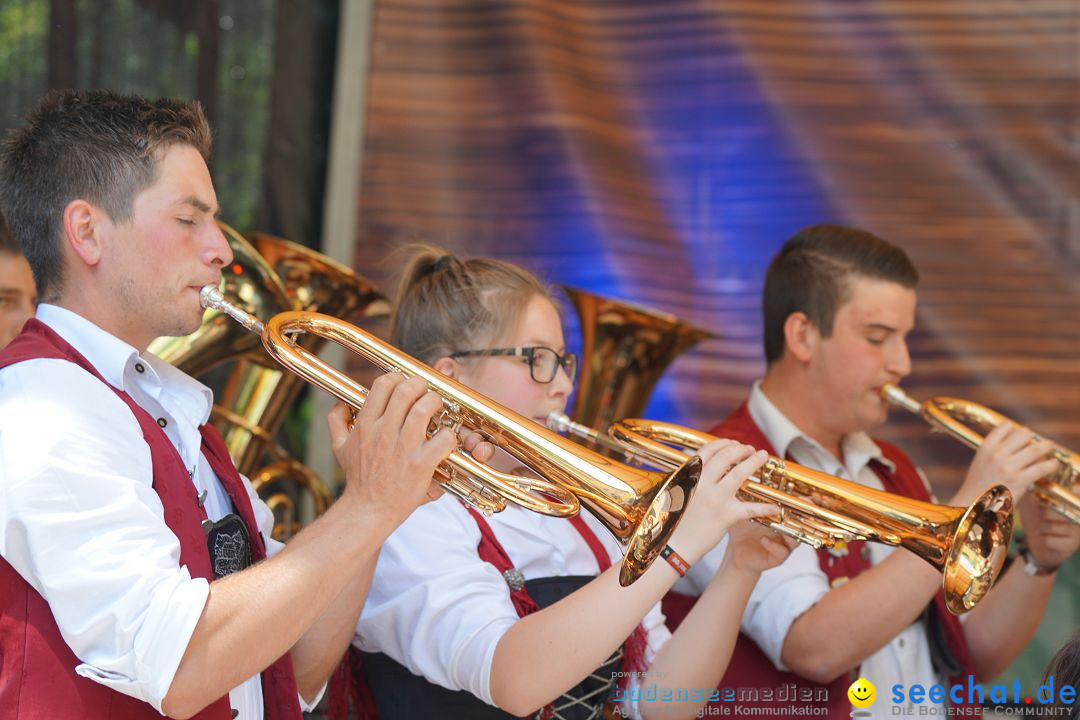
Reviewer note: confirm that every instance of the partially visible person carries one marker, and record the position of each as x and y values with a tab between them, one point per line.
1065	670
17	294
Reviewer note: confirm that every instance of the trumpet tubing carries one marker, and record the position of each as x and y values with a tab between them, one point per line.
967	545
968	422
639	507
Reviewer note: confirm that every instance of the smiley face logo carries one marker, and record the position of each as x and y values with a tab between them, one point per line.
862	693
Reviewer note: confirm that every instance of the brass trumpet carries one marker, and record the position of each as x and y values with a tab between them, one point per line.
964	420
968	545
639	507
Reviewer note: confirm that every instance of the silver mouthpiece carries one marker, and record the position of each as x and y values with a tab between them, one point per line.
559	422
213	299
896	396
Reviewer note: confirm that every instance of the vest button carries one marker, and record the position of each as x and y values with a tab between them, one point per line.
139	368
162	422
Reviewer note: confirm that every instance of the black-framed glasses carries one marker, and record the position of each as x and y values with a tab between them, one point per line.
544	362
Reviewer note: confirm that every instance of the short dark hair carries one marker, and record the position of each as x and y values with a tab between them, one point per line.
96	145
811	274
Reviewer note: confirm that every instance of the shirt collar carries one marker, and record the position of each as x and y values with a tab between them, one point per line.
118	362
858	448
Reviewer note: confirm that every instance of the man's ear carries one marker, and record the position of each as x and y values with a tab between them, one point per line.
801	338
80	228
448	367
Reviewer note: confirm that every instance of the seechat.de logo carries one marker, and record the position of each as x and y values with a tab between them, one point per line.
1062	694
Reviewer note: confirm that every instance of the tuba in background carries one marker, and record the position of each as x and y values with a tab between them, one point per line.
969	422
625	349
268	275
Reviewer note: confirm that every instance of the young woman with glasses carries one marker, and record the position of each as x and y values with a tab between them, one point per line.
520	613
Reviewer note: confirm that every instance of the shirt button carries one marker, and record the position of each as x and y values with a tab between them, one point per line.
162	422
139	368
900	642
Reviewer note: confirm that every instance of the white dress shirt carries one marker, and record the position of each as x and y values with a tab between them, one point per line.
785	592
79	518
439	610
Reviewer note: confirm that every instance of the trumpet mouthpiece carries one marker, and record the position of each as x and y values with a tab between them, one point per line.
211	298
559	422
896	396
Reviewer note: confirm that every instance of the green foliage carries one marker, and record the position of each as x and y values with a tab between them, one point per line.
23	57
125	45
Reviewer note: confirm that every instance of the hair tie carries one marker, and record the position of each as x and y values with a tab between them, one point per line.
442	263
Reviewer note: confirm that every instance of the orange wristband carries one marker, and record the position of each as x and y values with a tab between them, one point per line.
675	560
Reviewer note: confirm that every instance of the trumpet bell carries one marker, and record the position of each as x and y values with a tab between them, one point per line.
975	551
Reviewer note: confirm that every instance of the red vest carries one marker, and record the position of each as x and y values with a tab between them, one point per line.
37	668
749	666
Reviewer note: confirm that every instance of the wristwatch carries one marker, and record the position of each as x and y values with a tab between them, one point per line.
1031	567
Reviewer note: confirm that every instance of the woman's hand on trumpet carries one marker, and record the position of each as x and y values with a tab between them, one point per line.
714	507
1011	455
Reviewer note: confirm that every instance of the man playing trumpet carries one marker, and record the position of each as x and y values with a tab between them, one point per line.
137	573
838	305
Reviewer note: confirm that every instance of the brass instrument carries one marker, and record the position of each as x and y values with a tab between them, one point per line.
625	349
639	507
268	275
258	389
282	470
964	420
967	545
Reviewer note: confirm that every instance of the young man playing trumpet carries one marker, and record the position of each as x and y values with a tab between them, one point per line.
838	305
137	573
